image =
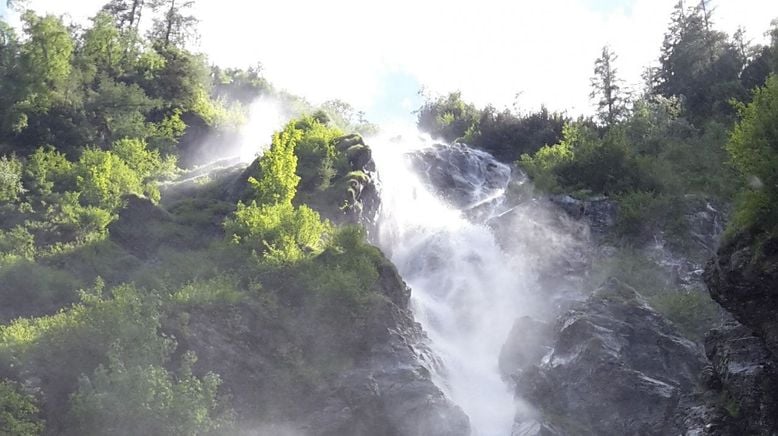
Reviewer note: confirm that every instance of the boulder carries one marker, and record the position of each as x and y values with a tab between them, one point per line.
616	367
465	177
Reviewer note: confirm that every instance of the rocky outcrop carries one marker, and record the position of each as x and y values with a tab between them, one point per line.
361	201
309	371
599	213
743	279
464	176
616	367
744	375
391	393
141	226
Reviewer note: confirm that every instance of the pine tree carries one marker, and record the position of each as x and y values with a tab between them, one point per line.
176	25
127	13
606	88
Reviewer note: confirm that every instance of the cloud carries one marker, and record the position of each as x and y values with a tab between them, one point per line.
492	50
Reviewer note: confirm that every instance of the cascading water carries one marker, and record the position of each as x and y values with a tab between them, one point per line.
466	290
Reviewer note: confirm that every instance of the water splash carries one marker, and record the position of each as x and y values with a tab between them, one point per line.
467	291
265	117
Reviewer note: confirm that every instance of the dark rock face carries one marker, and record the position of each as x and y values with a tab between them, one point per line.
617	367
382	385
462	175
743	279
391	394
744	373
140	228
361	197
526	345
600	212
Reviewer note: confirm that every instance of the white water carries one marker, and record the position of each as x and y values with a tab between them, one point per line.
466	292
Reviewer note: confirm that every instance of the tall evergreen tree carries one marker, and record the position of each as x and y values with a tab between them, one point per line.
699	64
127	13
606	88
175	25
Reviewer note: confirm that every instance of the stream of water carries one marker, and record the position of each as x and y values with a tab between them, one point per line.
466	291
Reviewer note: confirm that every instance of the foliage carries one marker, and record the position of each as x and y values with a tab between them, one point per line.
278	167
754	150
125	399
316	154
19	413
699	64
583	161
219	289
175	26
280	232
448	117
606	88
346	273
10	178
103	177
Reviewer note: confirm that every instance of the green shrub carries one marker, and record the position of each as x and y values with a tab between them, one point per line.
147	163
754	150
278	166
19	413
221	289
103	178
48	170
344	278
10	178
28	288
280	232
75	340
128	399
16	244
316	153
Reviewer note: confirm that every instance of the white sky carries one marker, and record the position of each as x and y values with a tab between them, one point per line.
369	52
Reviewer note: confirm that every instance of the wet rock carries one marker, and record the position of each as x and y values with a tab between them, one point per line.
362	201
617	367
284	363
745	375
599	212
391	395
527	343
465	177
743	279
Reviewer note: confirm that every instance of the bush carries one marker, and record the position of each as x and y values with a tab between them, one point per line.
221	289
103	178
48	170
126	399
280	233
19	413
344	279
10	179
316	154
449	117
585	162
754	150
278	166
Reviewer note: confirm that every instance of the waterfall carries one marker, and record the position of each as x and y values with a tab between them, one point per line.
466	291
